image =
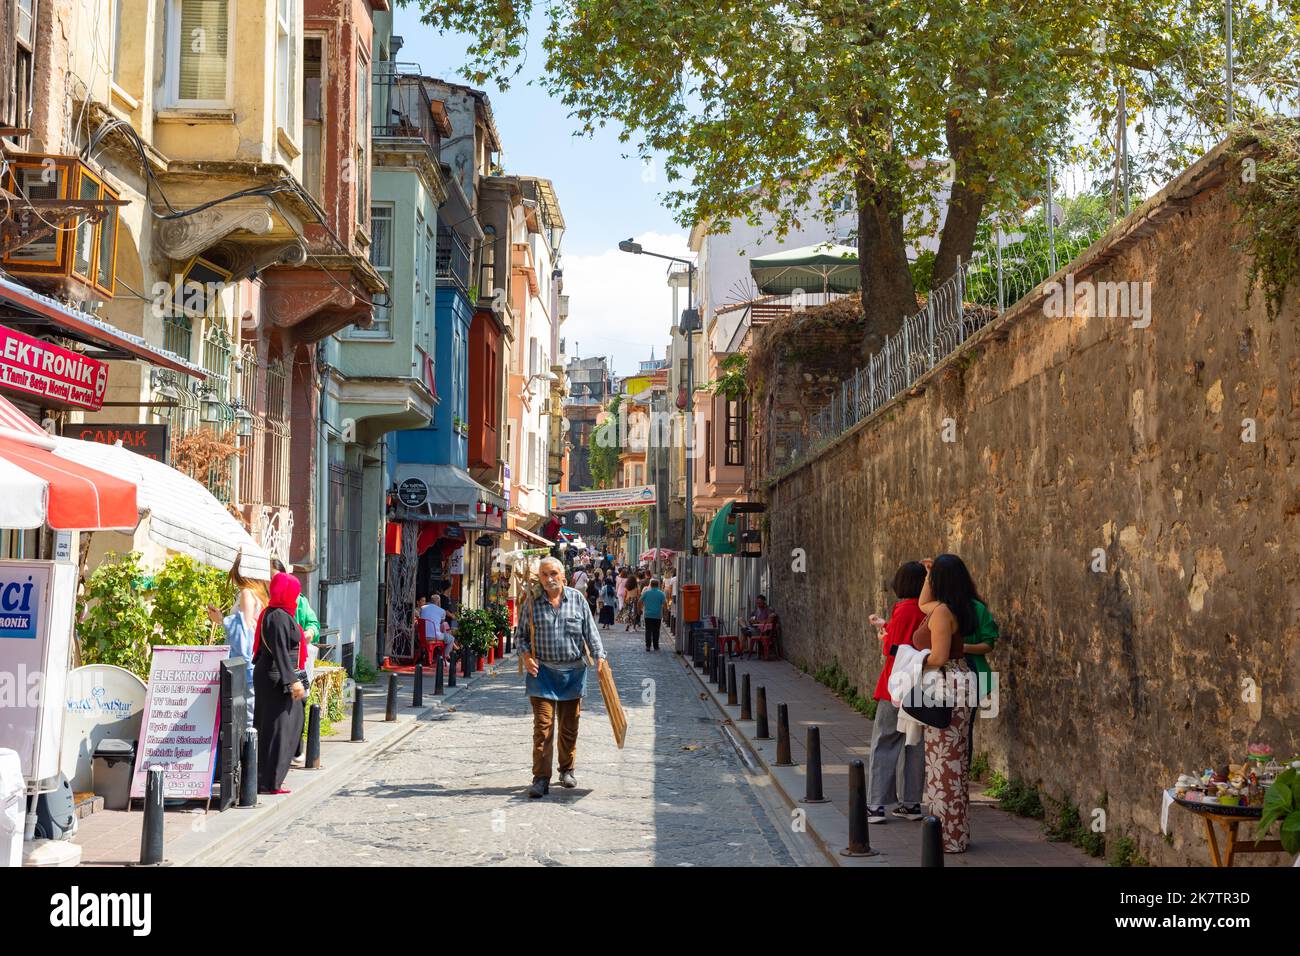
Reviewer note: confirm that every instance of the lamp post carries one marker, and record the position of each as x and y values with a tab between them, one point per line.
687	325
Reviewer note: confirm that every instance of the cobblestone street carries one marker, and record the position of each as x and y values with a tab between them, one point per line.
452	793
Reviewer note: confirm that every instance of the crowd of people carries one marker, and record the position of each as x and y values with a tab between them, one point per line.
633	597
934	678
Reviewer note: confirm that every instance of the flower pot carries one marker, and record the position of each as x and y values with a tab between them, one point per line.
491	655
501	645
479	663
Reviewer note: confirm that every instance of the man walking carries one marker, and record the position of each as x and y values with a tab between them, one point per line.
652	606
552	635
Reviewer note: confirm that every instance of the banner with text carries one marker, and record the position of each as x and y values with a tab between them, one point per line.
40	368
180	720
605	498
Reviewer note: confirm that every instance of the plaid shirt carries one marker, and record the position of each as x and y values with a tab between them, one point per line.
561	632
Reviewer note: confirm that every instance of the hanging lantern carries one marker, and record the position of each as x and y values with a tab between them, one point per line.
243	421
210	407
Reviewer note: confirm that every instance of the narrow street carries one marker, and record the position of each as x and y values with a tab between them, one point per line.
452	793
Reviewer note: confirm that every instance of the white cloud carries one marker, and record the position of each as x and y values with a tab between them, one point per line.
620	305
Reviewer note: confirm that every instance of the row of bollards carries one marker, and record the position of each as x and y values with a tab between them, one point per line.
859	832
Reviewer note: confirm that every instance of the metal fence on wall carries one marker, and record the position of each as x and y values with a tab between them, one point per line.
728	585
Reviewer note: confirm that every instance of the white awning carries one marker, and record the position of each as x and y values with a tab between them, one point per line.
182	515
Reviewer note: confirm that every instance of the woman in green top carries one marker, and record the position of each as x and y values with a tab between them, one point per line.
986	634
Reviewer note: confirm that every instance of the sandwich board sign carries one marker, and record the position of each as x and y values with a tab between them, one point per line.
179	729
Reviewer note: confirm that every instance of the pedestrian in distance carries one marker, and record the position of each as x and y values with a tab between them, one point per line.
608	604
652	605
556	632
947	600
241	623
888	743
631	605
279	656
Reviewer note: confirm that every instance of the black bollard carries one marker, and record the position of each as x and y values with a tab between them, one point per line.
390	711
151	838
417	692
722	674
718	667
731	685
437	673
358	716
761	732
931	842
248	771
783	736
451	672
467	658
746	713
708	661
813	789
859	838
311	761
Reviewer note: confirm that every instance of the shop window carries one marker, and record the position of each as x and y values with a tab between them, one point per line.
345	507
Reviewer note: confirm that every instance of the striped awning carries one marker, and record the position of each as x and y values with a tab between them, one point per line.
38	488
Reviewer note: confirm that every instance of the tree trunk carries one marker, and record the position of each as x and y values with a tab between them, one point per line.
965	206
888	296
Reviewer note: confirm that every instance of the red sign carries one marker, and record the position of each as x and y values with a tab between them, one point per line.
147	440
40	368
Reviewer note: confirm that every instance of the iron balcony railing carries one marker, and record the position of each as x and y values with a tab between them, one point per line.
452	259
402	108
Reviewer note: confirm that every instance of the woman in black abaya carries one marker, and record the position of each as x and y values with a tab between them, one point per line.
279	653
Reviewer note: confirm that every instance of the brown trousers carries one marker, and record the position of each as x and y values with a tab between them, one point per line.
546	714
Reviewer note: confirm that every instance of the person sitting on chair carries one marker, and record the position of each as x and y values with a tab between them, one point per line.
762	615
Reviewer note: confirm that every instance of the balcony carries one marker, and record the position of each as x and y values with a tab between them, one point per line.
405	116
451	263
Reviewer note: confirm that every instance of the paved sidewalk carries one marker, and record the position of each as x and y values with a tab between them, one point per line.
997	838
112	837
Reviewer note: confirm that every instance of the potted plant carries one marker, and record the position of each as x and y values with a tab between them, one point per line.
1282	802
477	634
500	618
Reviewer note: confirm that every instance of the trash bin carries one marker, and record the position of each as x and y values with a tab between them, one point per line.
111	772
690	602
13	808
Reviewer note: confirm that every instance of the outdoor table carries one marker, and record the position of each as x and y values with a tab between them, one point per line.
1228	818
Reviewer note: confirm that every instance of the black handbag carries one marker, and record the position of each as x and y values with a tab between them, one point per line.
938	716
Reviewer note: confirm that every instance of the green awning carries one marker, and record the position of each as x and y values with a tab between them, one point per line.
722	531
826	267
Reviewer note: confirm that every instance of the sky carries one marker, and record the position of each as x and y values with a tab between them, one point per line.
620	305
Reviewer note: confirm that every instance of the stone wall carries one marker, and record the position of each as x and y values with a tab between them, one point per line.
1077	439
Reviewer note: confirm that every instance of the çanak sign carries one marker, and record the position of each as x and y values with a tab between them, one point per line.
180	721
147	440
607	498
39	368
36	600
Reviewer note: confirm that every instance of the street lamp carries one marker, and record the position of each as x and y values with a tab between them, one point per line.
688	323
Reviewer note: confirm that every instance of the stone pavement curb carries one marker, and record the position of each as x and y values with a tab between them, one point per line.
224	835
824	822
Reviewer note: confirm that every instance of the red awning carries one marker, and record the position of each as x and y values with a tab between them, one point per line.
37	488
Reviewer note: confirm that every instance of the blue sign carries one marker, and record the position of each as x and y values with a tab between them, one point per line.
17	611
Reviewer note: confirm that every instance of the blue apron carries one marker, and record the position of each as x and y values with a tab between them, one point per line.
558	682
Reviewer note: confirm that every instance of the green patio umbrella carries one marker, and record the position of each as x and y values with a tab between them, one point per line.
826	267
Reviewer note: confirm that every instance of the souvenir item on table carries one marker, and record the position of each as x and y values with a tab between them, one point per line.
1259	754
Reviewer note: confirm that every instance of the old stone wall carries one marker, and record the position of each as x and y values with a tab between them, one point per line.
1170	451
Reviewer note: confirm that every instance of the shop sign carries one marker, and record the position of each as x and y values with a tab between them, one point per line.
147	440
606	498
39	368
180	721
413	492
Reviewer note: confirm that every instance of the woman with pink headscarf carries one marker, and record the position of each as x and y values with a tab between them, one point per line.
279	655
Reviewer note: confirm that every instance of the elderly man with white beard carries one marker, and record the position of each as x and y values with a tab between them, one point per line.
553	634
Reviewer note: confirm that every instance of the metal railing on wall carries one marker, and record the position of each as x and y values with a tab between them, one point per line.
979	291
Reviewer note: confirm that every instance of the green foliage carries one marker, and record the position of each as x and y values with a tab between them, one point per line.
923	271
604	447
838	681
1067	826
1282	803
182	591
115	626
363	672
1267	191
979	767
1022	799
499	615
327	692
998	785
476	630
731	380
1124	852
